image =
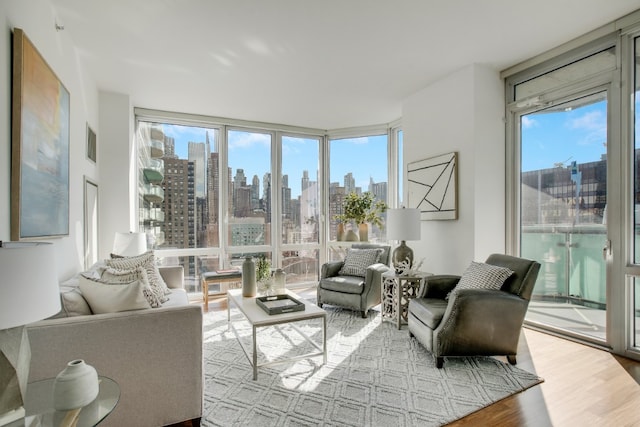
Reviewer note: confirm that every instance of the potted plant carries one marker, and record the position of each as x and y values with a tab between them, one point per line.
362	209
263	274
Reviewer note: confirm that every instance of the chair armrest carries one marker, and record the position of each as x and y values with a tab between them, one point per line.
373	283
173	276
439	285
374	272
478	318
330	269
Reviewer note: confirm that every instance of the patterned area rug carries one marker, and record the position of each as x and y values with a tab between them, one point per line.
375	376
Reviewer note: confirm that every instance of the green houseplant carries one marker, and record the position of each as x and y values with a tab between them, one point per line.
362	209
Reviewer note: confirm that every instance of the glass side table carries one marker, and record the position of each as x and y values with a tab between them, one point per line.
397	291
40	412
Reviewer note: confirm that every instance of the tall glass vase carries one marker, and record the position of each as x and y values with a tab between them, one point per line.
249	287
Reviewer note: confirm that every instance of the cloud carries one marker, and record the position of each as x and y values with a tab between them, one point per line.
593	124
239	139
592	120
528	122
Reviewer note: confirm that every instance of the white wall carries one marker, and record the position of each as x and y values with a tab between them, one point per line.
117	190
37	19
462	112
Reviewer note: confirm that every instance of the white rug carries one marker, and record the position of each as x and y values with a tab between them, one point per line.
375	376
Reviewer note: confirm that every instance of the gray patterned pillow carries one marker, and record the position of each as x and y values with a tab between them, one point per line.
146	260
483	276
357	260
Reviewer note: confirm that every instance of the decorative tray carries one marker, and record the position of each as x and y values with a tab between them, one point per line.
277	304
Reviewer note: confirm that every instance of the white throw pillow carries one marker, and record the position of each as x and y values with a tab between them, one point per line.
483	276
112	298
357	260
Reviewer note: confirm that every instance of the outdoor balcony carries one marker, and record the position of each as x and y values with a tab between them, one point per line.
156	148
152	193
154	170
153	215
570	292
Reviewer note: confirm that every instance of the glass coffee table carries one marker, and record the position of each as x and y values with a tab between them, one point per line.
259	318
40	412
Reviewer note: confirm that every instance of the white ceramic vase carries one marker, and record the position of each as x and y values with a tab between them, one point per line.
76	386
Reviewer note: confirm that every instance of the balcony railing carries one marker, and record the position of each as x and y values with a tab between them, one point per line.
156	148
154	170
573	268
152	193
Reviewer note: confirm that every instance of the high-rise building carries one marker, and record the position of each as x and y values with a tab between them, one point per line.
179	207
169	148
197	153
255	192
349	183
179	203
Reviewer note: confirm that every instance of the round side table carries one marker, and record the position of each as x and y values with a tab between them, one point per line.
39	406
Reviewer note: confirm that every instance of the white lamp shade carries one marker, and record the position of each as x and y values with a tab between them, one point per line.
403	224
28	283
129	244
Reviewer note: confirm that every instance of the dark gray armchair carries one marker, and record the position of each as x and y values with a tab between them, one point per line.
350	291
474	322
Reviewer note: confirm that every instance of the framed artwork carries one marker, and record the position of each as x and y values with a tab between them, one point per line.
91	144
432	185
90	223
39	146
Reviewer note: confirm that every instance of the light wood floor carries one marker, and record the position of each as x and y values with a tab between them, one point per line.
583	386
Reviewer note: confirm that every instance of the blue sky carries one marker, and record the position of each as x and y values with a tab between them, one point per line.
364	157
563	137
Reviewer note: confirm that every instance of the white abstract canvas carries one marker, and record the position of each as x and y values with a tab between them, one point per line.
432	187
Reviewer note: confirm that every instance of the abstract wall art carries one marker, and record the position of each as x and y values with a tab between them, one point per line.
39	146
432	186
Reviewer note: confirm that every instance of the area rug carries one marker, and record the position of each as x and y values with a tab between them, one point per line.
375	375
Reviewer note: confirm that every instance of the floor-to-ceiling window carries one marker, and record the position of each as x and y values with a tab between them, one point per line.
213	193
573	188
356	165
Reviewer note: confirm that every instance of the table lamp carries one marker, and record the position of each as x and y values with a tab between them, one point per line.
403	224
28	292
129	244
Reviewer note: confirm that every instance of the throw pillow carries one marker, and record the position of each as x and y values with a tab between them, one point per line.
111	298
483	276
112	276
357	260
146	260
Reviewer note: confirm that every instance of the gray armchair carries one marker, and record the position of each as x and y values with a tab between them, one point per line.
350	291
474	322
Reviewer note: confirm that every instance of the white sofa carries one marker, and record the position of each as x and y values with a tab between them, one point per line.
155	356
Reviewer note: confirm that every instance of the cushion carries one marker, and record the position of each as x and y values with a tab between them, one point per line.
146	260
72	303
483	276
112	276
113	298
357	260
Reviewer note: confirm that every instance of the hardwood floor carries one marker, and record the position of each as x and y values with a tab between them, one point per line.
583	386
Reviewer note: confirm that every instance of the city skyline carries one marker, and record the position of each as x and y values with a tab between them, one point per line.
365	157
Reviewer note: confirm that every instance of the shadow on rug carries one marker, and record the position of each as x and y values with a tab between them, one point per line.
375	376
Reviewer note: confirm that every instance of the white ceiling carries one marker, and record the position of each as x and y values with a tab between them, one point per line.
325	64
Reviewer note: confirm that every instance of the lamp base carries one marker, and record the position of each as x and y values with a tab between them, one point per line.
11	416
402	257
15	356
